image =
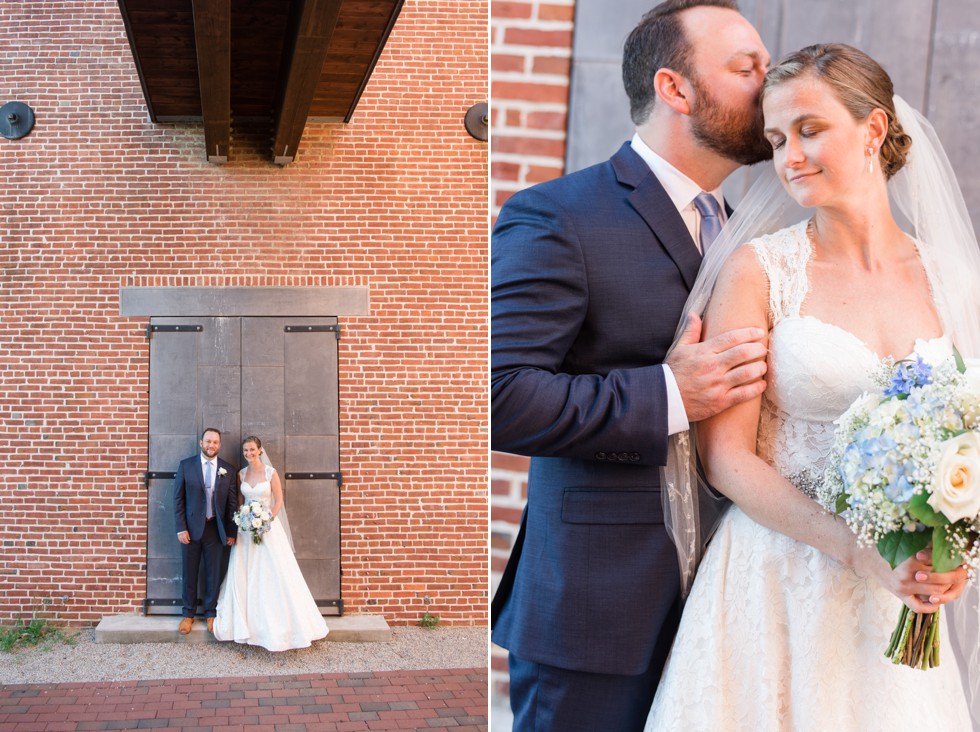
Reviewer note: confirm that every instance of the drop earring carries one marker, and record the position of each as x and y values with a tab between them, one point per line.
871	160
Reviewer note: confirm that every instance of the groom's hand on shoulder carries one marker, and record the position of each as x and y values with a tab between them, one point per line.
718	373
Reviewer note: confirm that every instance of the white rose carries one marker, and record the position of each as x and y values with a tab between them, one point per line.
256	523
222	471
933	351
956	486
971	377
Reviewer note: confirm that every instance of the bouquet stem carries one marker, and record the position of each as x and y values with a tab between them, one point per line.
915	641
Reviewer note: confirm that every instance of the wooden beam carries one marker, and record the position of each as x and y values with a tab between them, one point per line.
395	10
307	41
212	38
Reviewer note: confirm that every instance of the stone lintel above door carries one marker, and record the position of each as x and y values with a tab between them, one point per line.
243	301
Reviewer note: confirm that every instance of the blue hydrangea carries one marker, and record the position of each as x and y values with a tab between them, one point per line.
900	490
909	374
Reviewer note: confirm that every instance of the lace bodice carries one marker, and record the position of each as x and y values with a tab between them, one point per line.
816	370
262	490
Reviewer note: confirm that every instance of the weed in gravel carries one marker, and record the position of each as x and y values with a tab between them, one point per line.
32	633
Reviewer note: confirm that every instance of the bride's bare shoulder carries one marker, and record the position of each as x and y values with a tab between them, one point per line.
743	269
741	294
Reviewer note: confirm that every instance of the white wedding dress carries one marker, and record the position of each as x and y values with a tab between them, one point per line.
264	600
776	635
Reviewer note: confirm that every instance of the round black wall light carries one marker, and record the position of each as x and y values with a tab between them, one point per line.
477	121
16	120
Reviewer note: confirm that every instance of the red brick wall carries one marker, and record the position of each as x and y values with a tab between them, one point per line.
530	61
530	58
97	197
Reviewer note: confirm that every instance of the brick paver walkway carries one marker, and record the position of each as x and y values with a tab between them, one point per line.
453	699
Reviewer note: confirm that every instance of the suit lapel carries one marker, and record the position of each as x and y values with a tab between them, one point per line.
651	202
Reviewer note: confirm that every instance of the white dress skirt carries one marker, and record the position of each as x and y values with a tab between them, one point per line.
264	600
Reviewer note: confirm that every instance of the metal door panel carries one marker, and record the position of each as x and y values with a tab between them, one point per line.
312	446
311	378
316	535
161	530
173	379
220	406
262	408
221	342
262	342
188	391
305	454
310	501
164	581
163	566
166	451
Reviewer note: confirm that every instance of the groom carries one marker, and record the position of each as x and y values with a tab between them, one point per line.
589	275
205	500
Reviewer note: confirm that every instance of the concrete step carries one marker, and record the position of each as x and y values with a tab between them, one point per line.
137	628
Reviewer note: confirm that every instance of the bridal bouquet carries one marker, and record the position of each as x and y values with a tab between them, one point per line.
905	474
255	518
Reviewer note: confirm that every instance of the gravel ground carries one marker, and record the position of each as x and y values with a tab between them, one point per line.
86	660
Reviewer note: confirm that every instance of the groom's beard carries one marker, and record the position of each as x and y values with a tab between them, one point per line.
728	132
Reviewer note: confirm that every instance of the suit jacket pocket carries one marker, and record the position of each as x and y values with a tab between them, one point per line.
584	506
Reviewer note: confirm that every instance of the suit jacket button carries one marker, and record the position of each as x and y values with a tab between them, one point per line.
600	456
623	457
634	457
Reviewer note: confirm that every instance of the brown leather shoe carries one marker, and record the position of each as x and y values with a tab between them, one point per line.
211	626
185	625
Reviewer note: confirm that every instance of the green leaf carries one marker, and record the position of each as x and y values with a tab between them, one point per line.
960	363
945	556
897	546
841	503
920	509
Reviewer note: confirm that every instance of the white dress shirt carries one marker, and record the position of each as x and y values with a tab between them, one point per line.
682	191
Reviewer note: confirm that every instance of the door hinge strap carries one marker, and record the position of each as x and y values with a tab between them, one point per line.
154	328
335	329
317	476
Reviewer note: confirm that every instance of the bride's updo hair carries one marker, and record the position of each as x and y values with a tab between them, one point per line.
860	84
253	438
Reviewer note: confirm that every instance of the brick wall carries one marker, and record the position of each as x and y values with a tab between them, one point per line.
97	197
530	60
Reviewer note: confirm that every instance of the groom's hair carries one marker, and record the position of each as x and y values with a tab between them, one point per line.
210	429
659	42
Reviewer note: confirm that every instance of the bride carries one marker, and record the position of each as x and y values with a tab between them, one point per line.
788	619
264	600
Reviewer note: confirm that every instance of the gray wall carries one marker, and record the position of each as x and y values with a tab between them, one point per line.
931	49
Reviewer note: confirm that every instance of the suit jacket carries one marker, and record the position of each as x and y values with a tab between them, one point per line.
589	275
190	509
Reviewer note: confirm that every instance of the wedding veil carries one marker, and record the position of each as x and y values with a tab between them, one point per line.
928	204
282	518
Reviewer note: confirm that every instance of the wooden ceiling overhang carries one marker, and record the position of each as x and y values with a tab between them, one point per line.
285	61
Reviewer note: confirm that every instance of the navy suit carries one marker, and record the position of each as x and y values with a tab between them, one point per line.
589	276
208	539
